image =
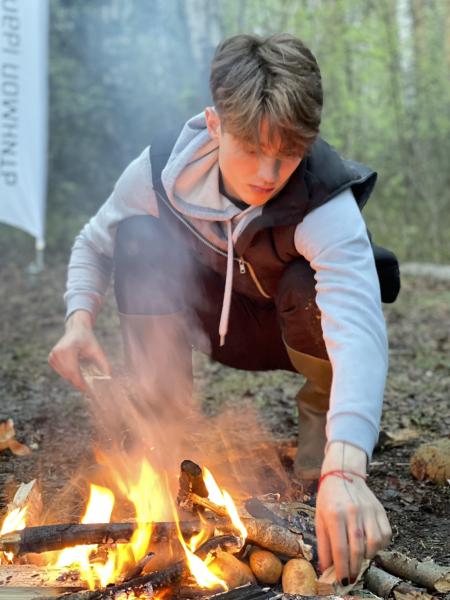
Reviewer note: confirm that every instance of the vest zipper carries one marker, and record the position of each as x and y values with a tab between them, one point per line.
243	264
256	280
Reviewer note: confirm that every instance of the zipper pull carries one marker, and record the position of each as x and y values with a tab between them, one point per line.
242	269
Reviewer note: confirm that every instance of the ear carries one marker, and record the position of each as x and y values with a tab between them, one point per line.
212	122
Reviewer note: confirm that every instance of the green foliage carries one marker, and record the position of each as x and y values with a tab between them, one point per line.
119	71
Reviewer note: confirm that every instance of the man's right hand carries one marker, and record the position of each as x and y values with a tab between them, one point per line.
77	344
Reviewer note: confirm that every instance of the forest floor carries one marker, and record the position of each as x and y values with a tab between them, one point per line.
53	419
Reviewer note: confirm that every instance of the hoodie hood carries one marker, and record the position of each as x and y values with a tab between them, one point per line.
191	175
191	182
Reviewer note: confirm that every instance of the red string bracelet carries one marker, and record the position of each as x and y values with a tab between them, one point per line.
343	474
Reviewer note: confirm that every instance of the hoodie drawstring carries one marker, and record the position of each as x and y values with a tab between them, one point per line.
225	314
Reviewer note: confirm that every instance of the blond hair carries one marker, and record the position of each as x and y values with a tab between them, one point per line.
276	78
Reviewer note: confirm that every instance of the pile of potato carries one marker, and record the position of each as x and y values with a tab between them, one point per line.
297	575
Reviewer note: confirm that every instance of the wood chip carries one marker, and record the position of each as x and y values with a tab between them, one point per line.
328	583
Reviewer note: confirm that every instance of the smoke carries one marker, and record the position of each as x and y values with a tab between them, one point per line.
139	67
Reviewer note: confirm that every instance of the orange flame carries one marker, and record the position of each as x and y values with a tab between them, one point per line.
147	492
199	569
14	521
223	498
99	509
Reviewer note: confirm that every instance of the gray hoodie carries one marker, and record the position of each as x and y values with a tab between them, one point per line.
333	238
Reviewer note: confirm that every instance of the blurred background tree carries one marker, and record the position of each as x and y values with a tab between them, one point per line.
121	69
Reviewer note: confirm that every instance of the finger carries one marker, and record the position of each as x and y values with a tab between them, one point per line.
323	545
355	530
384	528
95	353
67	366
373	534
339	545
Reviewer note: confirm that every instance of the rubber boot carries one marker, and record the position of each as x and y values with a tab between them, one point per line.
313	402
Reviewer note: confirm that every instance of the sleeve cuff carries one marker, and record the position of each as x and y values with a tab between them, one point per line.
353	429
80	302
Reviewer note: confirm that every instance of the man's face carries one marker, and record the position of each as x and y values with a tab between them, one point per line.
253	175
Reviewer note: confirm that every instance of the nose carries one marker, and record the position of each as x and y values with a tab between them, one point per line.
268	169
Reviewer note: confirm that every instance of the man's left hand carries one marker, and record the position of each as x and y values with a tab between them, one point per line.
351	524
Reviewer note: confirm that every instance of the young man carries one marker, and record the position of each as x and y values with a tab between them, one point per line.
242	236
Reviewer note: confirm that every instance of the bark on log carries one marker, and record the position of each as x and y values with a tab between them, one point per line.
427	574
56	537
386	585
276	539
264	533
136	570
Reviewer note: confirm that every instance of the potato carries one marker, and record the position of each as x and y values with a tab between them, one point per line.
231	570
265	565
299	578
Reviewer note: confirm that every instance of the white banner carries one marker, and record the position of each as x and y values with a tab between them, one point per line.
23	114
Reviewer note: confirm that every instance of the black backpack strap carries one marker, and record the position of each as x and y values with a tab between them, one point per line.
388	271
160	149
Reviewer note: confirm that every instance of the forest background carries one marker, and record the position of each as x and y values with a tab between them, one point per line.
120	70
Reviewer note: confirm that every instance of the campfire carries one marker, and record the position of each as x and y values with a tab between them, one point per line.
155	528
210	547
212	551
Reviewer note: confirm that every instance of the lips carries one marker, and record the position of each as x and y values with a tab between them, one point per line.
261	190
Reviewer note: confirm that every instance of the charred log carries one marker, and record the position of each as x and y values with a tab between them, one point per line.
153	581
55	537
136	570
191	482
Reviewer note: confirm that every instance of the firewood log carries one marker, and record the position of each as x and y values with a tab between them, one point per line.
191	481
264	533
427	574
386	585
62	535
157	580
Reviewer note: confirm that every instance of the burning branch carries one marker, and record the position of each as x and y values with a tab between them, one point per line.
264	533
191	481
157	580
56	537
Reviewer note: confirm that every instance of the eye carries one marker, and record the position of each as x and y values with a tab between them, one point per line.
249	150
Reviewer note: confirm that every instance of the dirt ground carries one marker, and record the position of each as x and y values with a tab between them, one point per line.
52	418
